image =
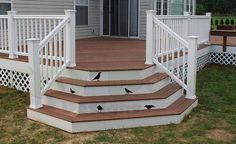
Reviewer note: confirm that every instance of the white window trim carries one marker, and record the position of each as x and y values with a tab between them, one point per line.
88	12
162	6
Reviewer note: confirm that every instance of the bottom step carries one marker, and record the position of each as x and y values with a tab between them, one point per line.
74	123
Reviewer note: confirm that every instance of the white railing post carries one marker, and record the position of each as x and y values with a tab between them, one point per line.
188	23
70	38
12	40
150	41
208	14
192	67
34	64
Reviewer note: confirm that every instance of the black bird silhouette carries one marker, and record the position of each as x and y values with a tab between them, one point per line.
45	82
100	108
72	91
128	91
97	77
149	106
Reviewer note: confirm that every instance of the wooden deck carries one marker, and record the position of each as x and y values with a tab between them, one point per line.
110	54
98	54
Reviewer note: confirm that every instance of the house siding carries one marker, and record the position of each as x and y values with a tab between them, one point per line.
144	6
92	29
42	7
56	7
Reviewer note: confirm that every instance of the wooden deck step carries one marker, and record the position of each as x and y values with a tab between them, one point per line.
149	80
175	109
161	94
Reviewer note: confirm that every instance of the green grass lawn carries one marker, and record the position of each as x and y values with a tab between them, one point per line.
212	122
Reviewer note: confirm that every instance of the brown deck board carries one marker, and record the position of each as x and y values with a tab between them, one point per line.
149	80
20	58
161	94
98	54
72	117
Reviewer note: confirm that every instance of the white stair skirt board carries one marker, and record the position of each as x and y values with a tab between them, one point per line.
111	90
111	106
111	75
110	124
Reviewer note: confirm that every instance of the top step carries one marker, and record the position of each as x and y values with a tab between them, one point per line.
149	80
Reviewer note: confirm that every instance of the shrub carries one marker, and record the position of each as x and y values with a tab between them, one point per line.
212	22
216	22
232	22
227	21
221	22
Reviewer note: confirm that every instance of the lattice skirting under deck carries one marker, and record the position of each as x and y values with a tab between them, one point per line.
223	58
203	61
14	79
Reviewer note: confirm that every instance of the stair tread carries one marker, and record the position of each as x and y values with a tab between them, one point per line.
149	80
161	94
176	108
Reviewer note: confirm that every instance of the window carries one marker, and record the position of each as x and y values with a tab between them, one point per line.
189	6
5	5
81	12
177	7
162	7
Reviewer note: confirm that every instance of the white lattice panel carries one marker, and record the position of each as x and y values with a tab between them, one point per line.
13	79
203	61
223	58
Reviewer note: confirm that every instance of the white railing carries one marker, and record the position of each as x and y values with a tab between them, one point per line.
3	34
172	53
16	29
50	56
187	25
33	26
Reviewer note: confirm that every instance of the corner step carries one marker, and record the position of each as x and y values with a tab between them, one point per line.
161	94
72	122
88	104
149	80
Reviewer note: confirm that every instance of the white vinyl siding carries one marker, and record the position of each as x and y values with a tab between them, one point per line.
93	27
144	6
44	7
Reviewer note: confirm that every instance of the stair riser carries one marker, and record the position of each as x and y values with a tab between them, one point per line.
111	75
110	124
111	106
111	90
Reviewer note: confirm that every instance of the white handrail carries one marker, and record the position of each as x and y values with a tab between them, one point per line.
3	16
53	32
187	25
50	56
39	16
171	32
170	52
